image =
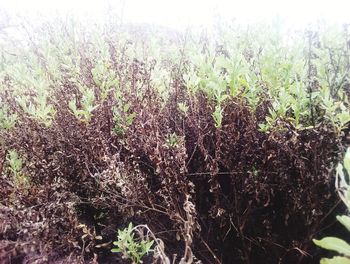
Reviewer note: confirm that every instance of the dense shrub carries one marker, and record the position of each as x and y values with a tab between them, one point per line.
223	148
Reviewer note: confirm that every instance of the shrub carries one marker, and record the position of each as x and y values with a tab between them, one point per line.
224	153
128	245
333	243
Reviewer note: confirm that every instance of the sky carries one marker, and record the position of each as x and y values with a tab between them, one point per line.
183	13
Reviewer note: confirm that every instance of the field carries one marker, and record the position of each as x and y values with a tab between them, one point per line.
122	143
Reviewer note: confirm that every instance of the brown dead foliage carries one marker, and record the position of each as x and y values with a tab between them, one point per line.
229	195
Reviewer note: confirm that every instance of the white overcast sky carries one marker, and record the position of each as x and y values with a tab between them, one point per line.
183	13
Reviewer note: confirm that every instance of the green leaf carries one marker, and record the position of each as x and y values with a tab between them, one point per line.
217	116
335	244
147	246
335	260
344	220
343	117
347	160
340	177
130	119
263	127
126	108
72	106
116	250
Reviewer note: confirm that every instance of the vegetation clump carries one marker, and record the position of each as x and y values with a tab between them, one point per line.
222	144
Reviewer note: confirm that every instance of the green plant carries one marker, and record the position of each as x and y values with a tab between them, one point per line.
7	120
334	243
104	78
14	162
85	81
336	112
183	107
172	141
84	113
131	247
217	116
122	118
15	166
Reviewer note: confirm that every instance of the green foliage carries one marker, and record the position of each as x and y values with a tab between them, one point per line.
344	220
336	112
31	88
172	141
240	64
192	81
183	107
105	77
15	167
14	161
84	113
161	79
123	118
217	115
131	247
333	243
37	107
335	260
7	120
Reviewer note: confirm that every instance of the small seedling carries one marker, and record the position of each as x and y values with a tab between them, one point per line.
217	115
183	107
130	247
15	166
172	141
7	120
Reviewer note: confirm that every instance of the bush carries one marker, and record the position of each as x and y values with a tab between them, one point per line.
333	243
224	153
